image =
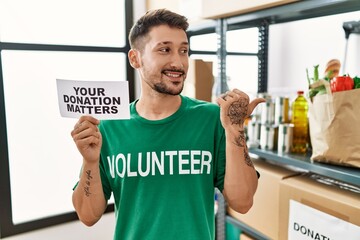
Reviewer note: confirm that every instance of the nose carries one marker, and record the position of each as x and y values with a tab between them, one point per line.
178	61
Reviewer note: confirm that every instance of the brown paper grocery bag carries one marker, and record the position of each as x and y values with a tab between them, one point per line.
334	121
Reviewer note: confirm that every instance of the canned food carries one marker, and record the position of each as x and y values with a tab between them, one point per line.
281	110
285	137
268	112
268	136
256	115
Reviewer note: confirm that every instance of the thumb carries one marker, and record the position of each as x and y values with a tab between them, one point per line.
253	104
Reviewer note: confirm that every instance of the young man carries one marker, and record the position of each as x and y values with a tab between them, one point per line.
163	164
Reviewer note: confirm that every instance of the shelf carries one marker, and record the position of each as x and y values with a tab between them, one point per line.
297	10
245	228
346	174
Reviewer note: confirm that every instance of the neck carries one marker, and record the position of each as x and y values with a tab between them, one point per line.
157	107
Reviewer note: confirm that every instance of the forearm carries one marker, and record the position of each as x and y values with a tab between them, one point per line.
88	197
241	180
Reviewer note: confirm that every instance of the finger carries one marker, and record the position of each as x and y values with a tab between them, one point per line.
84	119
77	125
254	103
86	133
86	142
87	118
224	95
221	98
240	94
84	128
237	91
232	96
219	101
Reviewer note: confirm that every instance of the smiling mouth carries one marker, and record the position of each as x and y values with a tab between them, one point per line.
173	74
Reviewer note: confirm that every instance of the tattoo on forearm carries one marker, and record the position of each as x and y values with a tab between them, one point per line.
87	183
238	111
247	158
237	114
240	140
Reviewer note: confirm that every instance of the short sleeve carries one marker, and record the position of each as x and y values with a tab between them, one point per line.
220	161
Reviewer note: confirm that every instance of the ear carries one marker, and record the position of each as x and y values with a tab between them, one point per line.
133	58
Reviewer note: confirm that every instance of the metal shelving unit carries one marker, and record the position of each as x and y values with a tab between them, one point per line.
263	19
350	175
249	230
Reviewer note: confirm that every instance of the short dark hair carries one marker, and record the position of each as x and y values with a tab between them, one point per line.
154	18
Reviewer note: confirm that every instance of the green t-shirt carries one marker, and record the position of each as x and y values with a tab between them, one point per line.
163	173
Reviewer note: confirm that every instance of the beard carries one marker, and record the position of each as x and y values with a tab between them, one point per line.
164	89
164	86
168	87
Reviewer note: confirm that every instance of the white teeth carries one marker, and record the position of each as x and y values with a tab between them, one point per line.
173	75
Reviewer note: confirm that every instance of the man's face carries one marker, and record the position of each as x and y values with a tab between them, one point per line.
164	60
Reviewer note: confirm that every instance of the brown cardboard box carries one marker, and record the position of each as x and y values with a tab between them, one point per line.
199	81
244	236
220	8
330	199
264	214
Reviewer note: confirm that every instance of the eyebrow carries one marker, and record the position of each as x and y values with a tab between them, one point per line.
169	43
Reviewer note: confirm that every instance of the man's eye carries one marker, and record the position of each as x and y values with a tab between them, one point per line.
164	50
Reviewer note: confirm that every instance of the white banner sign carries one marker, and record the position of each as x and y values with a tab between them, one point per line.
100	99
309	223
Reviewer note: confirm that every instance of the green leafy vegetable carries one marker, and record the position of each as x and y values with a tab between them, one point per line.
318	90
316	73
356	82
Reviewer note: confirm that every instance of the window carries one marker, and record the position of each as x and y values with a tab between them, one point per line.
242	73
40	147
65	22
204	42
41	41
241	60
242	40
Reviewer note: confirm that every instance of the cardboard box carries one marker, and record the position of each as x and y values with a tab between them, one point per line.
220	8
331	203
199	81
264	214
244	236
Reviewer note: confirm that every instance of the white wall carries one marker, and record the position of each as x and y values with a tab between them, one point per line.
102	230
298	45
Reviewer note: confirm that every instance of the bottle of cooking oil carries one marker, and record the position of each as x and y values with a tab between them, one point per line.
300	120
